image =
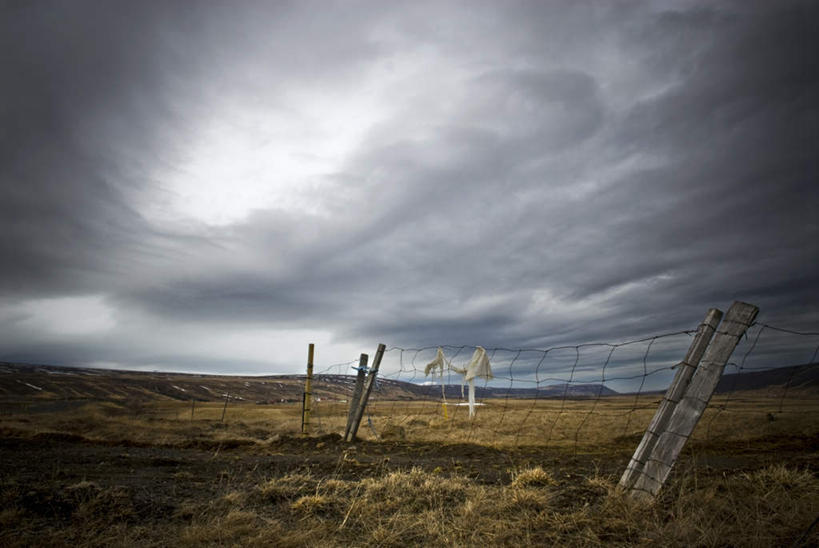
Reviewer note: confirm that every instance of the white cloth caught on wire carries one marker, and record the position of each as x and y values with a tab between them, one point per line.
438	363
478	366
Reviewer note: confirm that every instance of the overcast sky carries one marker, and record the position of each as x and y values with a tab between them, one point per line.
209	186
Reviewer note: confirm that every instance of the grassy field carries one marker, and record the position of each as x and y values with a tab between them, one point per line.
523	472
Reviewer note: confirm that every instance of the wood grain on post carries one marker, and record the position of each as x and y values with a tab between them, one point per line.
685	370
365	394
692	405
359	386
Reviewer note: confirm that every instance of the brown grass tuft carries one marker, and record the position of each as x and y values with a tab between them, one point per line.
308	505
532	477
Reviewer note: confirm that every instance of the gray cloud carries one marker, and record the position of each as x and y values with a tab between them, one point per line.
532	174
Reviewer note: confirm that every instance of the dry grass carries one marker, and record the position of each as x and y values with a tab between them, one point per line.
532	477
769	507
349	504
577	424
574	423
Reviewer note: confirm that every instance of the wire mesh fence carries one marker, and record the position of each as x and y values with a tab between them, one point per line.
582	395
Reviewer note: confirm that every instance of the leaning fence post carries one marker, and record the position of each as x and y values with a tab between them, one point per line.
308	391
685	370
359	385
365	394
227	397
691	407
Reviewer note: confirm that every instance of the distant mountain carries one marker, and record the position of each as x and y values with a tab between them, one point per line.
804	378
48	382
75	383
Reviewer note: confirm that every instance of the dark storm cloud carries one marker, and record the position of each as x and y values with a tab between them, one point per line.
728	213
74	77
94	94
548	173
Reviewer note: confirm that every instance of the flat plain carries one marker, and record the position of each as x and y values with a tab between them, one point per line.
115	469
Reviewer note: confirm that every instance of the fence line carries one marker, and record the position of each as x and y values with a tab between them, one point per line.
563	394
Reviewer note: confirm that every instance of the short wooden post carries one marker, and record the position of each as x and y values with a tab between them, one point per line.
193	406
359	386
691	407
365	394
685	370
306	405
227	397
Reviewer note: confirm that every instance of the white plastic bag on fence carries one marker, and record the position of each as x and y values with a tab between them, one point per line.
478	367
438	363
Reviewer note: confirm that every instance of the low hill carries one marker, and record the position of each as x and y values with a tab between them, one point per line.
798	378
49	382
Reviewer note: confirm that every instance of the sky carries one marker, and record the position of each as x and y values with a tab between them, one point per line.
210	186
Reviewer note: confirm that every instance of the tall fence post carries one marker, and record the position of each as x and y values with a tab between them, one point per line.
690	408
359	386
365	394
685	370
306	404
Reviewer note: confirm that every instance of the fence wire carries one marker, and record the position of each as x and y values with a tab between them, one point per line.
579	395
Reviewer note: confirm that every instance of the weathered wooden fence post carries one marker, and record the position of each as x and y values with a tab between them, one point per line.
675	392
227	397
359	386
690	408
365	394
306	403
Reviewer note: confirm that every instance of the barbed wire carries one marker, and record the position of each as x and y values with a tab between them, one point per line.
566	393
